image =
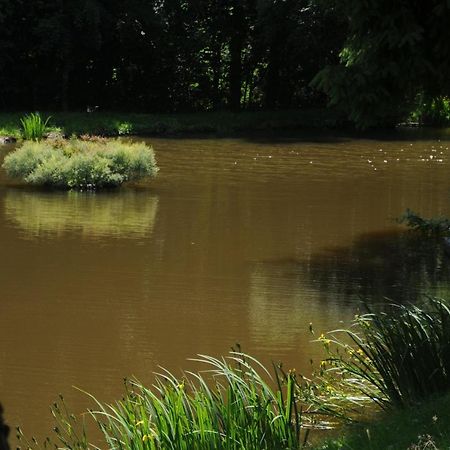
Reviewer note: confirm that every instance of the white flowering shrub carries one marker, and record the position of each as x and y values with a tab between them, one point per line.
78	164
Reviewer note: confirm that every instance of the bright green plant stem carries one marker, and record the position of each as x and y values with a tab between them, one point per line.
34	127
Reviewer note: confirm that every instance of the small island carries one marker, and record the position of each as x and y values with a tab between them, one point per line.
80	164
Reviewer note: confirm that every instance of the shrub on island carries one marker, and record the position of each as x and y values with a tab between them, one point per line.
81	164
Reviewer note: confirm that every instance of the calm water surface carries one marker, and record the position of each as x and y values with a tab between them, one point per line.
237	240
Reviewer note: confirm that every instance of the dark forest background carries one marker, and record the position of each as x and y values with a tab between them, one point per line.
374	59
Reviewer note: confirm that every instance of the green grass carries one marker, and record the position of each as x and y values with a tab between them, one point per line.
33	126
425	426
78	164
395	358
222	123
234	405
398	359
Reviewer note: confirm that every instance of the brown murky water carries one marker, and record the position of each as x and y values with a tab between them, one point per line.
237	240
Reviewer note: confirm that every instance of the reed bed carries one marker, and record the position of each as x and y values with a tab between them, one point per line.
395	358
235	404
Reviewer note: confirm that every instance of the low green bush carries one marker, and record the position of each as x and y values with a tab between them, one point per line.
78	164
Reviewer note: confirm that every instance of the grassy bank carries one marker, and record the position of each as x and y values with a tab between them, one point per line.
222	123
424	426
398	365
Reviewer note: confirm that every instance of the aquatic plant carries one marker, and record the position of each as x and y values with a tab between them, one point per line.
229	406
394	358
33	126
77	164
435	226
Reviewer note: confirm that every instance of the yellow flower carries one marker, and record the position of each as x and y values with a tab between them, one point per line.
148	437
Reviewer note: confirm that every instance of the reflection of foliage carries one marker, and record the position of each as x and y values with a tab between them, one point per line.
436	226
117	214
394	265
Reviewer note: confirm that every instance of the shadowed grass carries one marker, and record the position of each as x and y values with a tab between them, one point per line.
394	358
422	427
219	123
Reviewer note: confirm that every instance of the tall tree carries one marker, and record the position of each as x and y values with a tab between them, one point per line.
395	53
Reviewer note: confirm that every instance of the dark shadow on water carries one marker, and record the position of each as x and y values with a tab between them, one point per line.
330	136
4	432
307	135
401	266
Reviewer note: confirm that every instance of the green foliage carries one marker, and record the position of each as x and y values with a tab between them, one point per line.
231	406
33	127
169	56
395	358
124	128
438	226
394	53
432	112
222	123
77	164
423	427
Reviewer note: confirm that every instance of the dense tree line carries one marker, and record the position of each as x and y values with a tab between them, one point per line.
375	59
163	55
395	60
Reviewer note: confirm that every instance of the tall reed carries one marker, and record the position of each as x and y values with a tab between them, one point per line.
397	357
233	405
33	126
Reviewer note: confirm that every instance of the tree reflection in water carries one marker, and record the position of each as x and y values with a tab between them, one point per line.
402	266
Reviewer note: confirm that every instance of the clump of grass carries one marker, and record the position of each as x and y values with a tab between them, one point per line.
77	164
395	358
34	127
417	428
240	411
232	406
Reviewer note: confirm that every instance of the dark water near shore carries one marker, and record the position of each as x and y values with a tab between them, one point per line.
237	240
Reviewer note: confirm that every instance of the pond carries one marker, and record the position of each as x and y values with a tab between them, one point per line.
236	241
